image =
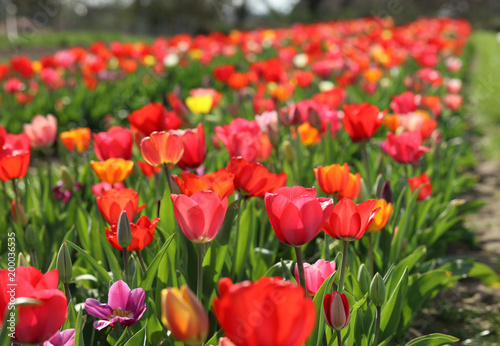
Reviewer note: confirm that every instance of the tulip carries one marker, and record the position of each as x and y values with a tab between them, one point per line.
220	182
111	203
184	315
238	81
142	234
18	213
153	117
115	143
249	313
99	188
78	139
404	103
112	170
124	306
296	215
42	130
14	163
254	178
332	179
223	72
162	148
308	134
383	215
352	188
212	93
148	170
64	338
200	216
199	104
316	274
405	147
35	323
337	311
453	101
195	148
421	181
361	122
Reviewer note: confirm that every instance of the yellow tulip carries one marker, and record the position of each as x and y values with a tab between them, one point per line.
199	104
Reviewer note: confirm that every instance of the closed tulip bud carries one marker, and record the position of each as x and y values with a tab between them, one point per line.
287	151
31	238
124	231
386	192
313	118
377	290
337	311
64	265
363	278
184	315
67	178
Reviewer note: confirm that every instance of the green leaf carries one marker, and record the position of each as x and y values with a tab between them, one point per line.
432	340
154	330
139	338
102	272
244	237
147	281
79	329
391	310
112	261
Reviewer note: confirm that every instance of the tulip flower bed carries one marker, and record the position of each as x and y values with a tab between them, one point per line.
297	186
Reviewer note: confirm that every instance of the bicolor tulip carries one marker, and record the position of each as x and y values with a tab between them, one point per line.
421	181
405	147
112	170
296	215
352	188
316	274
383	215
183	314
115	143
124	306
308	134
361	122
76	139
254	178
111	203
142	234
195	148
162	148
220	182
35	323
333	178
42	130
270	311
200	215
337	310
349	221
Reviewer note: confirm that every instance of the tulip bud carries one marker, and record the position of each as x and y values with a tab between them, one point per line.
31	238
386	192
184	315
287	151
18	213
337	311
64	265
21	260
363	278
377	290
313	118
67	178
124	231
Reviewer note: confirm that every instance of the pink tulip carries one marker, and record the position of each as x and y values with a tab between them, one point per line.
405	147
115	143
453	101
64	338
42	130
316	274
404	103
200	216
296	214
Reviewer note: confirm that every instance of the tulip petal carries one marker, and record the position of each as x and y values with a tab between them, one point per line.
118	295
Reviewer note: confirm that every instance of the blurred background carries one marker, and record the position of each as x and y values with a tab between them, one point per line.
60	23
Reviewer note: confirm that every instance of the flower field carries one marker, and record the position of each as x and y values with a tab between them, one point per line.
293	186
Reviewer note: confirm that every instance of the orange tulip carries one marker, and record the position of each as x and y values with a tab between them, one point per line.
78	139
308	134
332	179
220	182
113	170
382	216
111	203
162	148
352	188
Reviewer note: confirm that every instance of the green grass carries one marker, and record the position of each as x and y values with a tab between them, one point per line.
484	90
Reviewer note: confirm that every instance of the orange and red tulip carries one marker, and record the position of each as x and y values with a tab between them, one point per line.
162	148
112	170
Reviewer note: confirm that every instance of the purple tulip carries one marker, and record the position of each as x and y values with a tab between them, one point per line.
61	192
124	306
64	338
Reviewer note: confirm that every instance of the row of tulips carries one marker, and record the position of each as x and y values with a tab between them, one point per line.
299	222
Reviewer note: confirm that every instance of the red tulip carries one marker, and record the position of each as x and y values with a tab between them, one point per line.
405	147
220	182
18	142
223	72
14	163
269	312
362	121
148	170
337	311
349	221
200	216
195	148
112	202
142	234
296	214
421	181
254	178
162	148
404	103
115	143
35	323
153	117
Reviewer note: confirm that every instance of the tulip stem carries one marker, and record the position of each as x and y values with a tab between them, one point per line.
125	263
5	195
141	262
67	293
345	245
167	173
15	190
364	155
370	253
339	338
200	271
300	264
377	325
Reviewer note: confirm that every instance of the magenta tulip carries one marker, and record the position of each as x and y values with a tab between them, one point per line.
405	147
115	143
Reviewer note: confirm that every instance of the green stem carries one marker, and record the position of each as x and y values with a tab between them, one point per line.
167	173
263	220
326	248
125	263
377	325
364	154
300	265
370	253
141	262
345	245
67	293
200	271
15	190
339	338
